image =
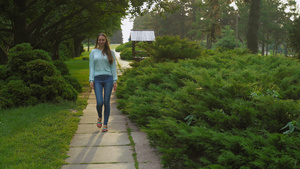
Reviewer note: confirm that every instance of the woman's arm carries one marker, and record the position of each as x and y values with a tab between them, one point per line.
92	69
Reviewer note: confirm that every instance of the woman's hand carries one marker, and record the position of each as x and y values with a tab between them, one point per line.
92	85
115	86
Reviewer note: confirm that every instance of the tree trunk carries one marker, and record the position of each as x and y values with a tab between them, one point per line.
273	49
88	44
208	42
253	25
77	46
19	23
267	47
285	50
263	49
55	51
263	45
3	57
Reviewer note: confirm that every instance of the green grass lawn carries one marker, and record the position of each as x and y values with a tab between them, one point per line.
38	136
80	69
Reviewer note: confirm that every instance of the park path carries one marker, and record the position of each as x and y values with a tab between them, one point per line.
91	148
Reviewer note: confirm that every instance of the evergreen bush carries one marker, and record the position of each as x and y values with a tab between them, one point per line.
126	54
62	67
124	46
228	40
21	54
172	48
38	69
30	77
74	82
219	111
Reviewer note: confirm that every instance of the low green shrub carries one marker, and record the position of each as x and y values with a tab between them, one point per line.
228	40
124	46
62	67
169	48
126	54
30	77
74	82
218	111
38	69
185	146
16	93
57	87
19	55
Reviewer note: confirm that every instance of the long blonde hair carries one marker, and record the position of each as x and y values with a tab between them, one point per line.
106	50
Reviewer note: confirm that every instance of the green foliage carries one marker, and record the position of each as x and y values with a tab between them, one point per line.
30	77
228	40
38	69
43	139
62	67
16	93
39	136
74	82
3	73
57	89
168	48
126	54
219	111
124	46
292	126
21	54
66	49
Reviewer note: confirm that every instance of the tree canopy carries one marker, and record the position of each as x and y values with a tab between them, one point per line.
203	20
45	24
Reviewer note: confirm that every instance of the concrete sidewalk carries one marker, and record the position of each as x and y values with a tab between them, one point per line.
93	149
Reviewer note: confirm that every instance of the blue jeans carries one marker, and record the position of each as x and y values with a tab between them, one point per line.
103	82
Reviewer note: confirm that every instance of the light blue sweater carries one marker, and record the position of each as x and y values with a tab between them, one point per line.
99	65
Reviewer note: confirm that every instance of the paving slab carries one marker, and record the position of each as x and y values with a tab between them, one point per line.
132	126
100	139
100	166
91	106
93	118
92	128
89	112
92	101
109	154
150	166
147	156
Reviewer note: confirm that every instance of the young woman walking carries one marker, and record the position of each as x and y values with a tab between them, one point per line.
103	77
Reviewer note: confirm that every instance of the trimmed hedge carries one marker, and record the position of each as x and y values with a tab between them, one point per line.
30	77
220	111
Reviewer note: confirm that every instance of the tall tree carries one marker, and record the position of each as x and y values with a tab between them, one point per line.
39	21
175	19
116	38
274	22
294	37
253	25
